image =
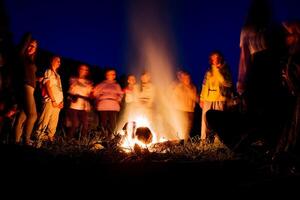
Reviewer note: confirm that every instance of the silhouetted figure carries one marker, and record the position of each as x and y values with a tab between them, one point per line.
259	83
288	144
7	102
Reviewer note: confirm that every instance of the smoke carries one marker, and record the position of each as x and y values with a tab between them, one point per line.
155	52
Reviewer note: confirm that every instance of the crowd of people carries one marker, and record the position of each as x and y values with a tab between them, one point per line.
263	106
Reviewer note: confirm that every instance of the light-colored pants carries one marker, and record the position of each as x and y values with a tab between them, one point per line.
209	105
27	115
48	120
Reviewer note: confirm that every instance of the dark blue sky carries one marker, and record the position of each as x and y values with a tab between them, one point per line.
96	31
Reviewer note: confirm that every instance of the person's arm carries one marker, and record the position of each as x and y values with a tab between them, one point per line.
120	93
204	90
226	76
50	94
192	92
243	63
96	91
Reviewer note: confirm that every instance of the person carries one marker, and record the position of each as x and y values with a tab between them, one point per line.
25	86
259	85
146	96
79	95
131	93
129	105
254	55
7	101
259	77
288	143
108	95
216	88
184	97
52	102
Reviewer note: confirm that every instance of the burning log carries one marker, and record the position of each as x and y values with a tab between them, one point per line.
144	135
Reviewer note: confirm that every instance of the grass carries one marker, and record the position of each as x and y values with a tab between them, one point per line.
110	151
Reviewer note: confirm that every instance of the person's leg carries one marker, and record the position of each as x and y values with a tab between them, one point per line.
30	111
73	118
18	129
104	123
113	115
206	107
44	119
83	116
53	123
190	120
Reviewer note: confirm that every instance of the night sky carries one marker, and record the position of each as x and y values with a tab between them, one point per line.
97	31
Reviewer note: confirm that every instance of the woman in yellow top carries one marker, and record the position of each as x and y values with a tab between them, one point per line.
216	87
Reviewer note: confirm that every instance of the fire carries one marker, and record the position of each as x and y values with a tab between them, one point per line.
131	135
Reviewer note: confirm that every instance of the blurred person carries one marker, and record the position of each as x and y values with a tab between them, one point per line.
259	77
185	97
108	95
146	96
131	92
129	105
259	85
79	95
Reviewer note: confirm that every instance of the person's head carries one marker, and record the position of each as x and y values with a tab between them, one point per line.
55	62
185	78
31	48
83	71
292	29
145	78
179	75
291	39
110	74
259	14
131	80
216	58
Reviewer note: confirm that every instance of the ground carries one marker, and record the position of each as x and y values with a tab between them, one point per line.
142	170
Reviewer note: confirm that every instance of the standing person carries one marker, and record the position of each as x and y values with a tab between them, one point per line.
185	97
25	87
146	96
259	84
216	88
108	96
131	92
52	101
254	55
288	143
80	90
259	72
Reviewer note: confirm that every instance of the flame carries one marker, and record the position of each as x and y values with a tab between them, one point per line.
130	140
